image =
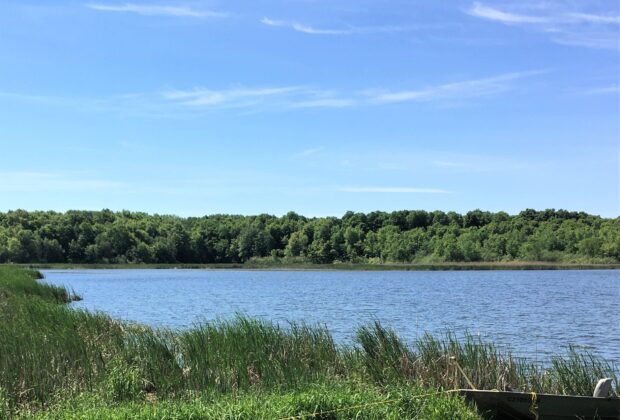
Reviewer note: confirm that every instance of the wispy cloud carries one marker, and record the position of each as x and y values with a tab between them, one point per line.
397	190
349	30
462	89
199	100
258	98
595	40
563	25
295	97
551	17
591	18
238	97
156	10
605	90
485	12
498	164
25	181
304	28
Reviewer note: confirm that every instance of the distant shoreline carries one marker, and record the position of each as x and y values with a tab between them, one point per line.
507	266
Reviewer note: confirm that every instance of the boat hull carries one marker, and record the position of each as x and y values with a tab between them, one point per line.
522	405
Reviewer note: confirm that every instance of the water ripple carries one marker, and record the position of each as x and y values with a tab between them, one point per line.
533	313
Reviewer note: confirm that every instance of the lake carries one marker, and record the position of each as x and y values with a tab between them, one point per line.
534	314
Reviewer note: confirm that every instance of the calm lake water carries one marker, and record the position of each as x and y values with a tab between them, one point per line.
533	313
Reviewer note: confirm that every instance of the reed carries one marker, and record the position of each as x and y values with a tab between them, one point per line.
50	349
450	363
46	348
385	356
155	355
245	353
578	372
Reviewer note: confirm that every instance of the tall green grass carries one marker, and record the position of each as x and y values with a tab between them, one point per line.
46	348
247	353
50	353
578	372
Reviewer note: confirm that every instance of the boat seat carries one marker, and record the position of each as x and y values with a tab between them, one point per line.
603	388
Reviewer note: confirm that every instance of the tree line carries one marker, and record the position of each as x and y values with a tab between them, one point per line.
400	236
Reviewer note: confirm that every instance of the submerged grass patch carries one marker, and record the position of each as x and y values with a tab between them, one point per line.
55	360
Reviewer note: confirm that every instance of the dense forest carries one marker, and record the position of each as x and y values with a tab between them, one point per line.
401	236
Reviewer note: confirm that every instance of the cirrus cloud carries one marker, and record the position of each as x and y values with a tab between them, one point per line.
156	10
564	25
348	30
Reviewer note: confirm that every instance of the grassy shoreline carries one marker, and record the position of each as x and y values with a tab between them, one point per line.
59	363
464	266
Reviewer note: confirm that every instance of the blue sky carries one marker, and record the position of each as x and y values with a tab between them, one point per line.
315	106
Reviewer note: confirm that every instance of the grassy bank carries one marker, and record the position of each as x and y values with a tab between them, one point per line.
62	363
268	264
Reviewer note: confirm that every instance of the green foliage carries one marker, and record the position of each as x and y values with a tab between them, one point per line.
400	236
